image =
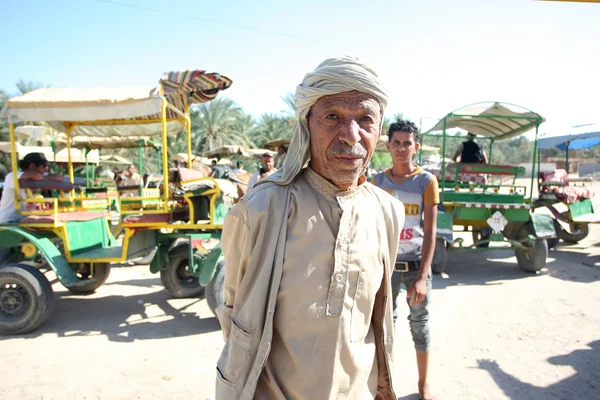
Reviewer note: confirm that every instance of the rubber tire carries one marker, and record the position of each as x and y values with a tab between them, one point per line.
562	233
215	290
438	264
39	290
172	282
101	272
533	259
478	235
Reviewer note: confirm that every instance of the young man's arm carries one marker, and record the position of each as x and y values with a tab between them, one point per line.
418	289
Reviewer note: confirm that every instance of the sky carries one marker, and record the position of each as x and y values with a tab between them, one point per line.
434	56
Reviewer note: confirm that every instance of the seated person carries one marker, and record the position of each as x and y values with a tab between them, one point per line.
470	152
34	167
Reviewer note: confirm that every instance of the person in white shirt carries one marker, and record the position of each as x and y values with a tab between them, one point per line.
267	169
34	167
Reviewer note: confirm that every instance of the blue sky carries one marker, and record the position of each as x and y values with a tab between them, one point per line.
433	55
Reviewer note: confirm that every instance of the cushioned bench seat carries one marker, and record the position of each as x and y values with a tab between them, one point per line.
63	217
162	218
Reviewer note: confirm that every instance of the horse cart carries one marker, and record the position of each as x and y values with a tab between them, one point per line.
181	223
569	199
494	213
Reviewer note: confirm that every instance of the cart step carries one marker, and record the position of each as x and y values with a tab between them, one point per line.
101	255
588	218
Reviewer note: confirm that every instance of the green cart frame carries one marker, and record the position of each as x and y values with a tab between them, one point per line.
493	213
61	233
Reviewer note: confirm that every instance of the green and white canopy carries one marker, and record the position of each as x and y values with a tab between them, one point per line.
495	120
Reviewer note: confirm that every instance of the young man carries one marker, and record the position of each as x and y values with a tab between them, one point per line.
418	190
470	151
34	167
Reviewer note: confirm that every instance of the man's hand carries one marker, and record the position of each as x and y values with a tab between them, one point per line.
418	291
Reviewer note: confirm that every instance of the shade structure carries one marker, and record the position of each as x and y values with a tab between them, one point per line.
77	156
576	137
495	120
274	144
124	111
112	142
224	151
115	160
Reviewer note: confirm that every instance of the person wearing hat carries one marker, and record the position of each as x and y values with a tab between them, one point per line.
268	168
470	151
307	310
34	167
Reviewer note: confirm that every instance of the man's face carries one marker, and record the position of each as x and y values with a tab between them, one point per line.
344	129
267	163
42	169
131	170
402	147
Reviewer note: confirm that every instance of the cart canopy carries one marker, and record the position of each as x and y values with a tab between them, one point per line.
121	111
495	120
577	137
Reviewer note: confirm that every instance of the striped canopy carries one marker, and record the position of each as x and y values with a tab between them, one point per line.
92	107
491	119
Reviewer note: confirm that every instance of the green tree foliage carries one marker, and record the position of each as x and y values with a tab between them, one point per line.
271	127
212	124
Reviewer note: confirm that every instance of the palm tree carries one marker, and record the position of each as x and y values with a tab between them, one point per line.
290	112
29	86
271	127
212	124
242	130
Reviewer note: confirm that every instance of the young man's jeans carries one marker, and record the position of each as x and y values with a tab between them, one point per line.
419	313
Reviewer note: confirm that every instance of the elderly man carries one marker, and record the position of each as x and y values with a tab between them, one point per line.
267	169
309	254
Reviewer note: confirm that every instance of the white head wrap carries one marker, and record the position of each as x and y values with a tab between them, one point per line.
332	76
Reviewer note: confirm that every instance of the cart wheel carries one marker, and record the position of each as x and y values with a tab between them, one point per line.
98	274
438	265
481	235
26	299
575	232
534	258
215	294
177	277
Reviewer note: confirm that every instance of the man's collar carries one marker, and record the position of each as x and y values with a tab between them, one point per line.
328	189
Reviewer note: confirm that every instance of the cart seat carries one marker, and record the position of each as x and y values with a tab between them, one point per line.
160	218
463	177
63	217
555	184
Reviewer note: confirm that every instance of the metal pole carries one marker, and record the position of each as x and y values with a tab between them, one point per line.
165	161
535	147
15	168
87	172
141	163
188	127
567	159
70	128
443	162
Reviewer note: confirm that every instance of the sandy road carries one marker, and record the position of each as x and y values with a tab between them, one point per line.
499	333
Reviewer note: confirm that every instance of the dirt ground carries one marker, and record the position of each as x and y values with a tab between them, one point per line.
498	333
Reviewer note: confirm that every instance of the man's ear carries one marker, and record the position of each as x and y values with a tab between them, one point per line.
417	146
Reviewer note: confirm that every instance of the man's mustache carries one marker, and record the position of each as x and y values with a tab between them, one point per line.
344	149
